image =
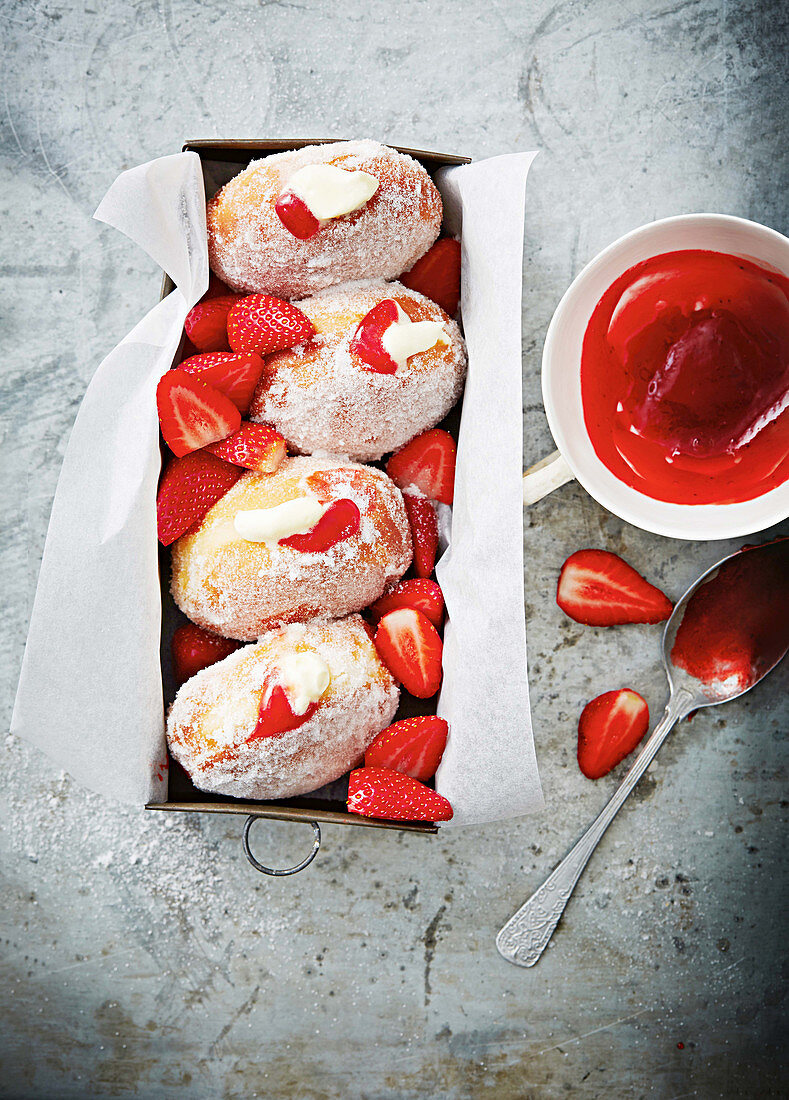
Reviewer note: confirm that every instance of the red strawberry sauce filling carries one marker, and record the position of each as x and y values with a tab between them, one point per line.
341	520
277	716
736	625
685	378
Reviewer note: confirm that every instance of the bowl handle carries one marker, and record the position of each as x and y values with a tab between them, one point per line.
545	476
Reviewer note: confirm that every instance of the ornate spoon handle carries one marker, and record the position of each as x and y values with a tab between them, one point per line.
526	934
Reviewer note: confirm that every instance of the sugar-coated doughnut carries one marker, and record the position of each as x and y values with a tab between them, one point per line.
250	249
240	588
211	729
322	397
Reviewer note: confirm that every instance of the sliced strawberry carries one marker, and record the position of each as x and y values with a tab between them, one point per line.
296	216
437	275
341	520
367	341
380	792
424	532
256	446
194	649
426	463
235	374
276	715
190	486
264	324
409	646
192	414
206	323
600	589
610	727
421	595
414	746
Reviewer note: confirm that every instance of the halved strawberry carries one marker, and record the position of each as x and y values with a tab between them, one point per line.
206	323
600	589
424	532
264	324
426	463
296	216
422	595
235	374
192	414
194	649
256	446
380	792
409	646
367	341
276	715
437	275
341	520
610	727
414	746
190	486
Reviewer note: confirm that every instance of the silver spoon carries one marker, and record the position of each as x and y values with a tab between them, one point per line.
525	936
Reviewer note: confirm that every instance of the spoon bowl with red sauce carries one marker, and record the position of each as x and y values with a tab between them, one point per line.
729	630
666	379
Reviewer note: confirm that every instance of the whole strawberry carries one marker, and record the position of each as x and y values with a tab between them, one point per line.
206	323
421	595
190	486
380	792
424	532
256	446
194	649
264	324
414	746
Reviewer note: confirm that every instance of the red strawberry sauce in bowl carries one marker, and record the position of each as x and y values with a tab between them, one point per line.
685	378
665	378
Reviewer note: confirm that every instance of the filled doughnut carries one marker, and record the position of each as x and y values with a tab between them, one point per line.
296	222
385	364
285	716
317	538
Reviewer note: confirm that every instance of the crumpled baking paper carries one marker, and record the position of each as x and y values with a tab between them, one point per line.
489	768
90	692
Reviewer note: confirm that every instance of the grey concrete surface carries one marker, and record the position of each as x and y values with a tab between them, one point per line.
142	956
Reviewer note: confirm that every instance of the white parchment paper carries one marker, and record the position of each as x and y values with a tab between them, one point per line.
90	690
489	769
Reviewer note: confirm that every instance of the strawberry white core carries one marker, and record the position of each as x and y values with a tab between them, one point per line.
405	337
331	192
293	517
305	677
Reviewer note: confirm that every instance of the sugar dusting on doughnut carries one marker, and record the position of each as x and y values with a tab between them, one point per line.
251	250
240	589
321	397
215	714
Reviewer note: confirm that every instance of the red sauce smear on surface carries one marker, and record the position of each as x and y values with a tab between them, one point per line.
685	378
736	625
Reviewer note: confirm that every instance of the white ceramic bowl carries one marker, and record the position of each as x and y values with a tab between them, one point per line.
561	375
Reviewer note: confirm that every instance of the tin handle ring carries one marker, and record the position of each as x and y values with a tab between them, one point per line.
272	870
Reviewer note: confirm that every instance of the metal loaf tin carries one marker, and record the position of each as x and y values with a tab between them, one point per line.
221	160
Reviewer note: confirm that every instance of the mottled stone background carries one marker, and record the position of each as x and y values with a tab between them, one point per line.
142	956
